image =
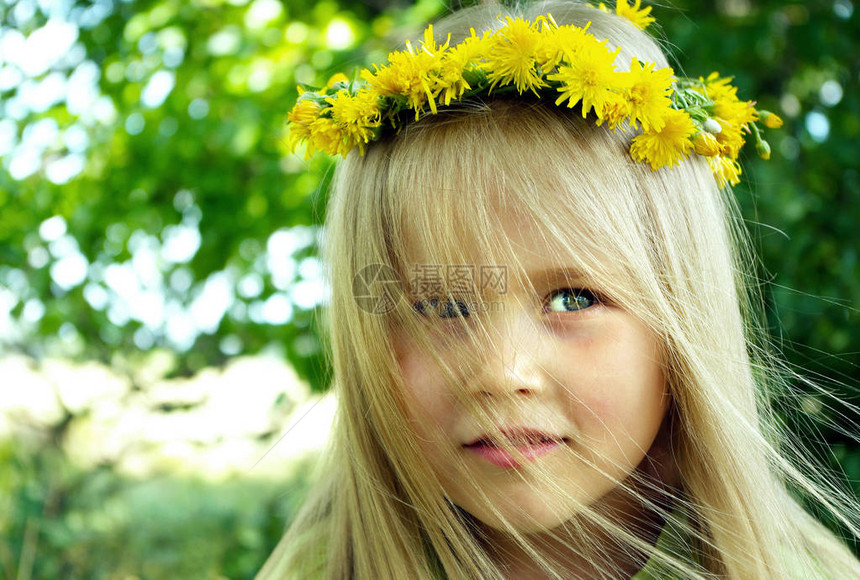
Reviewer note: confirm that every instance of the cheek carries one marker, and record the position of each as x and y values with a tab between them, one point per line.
631	397
637	410
647	398
427	400
626	390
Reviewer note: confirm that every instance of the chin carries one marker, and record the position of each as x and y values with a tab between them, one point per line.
528	515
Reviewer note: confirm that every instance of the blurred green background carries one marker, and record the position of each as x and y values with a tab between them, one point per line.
159	286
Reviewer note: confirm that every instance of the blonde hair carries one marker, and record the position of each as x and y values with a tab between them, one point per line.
667	246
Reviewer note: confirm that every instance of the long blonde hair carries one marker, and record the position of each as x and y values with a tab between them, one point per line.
667	246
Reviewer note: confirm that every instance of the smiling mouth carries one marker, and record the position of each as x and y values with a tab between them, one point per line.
531	449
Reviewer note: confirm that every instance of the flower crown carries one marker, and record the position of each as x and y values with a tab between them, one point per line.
566	64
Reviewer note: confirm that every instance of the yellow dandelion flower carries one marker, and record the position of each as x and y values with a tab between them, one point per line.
429	43
706	144
726	170
635	14
531	55
719	88
356	115
763	149
772	121
327	137
560	43
300	118
304	112
450	82
667	146
648	92
336	78
730	137
510	56
408	74
590	78
616	109
472	51
736	112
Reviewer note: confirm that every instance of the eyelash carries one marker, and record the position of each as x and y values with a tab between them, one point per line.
445	308
577	293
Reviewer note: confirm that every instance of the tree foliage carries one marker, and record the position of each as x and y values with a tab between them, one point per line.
161	160
147	201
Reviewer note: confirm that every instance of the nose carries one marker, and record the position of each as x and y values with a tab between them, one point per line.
516	359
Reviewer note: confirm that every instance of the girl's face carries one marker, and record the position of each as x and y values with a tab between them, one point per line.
561	363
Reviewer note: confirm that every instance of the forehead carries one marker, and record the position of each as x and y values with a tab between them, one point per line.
514	251
521	188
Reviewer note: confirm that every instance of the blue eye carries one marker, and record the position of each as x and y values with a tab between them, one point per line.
445	308
570	300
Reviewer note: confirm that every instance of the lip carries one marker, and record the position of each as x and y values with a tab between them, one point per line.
531	443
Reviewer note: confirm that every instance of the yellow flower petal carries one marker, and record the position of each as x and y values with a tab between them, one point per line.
560	43
356	116
635	14
300	118
450	83
408	74
730	137
590	78
667	146
327	137
336	78
706	144
616	109
718	88
726	170
772	121
511	56
737	112
648	92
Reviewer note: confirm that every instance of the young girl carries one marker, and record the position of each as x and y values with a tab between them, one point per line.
543	338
